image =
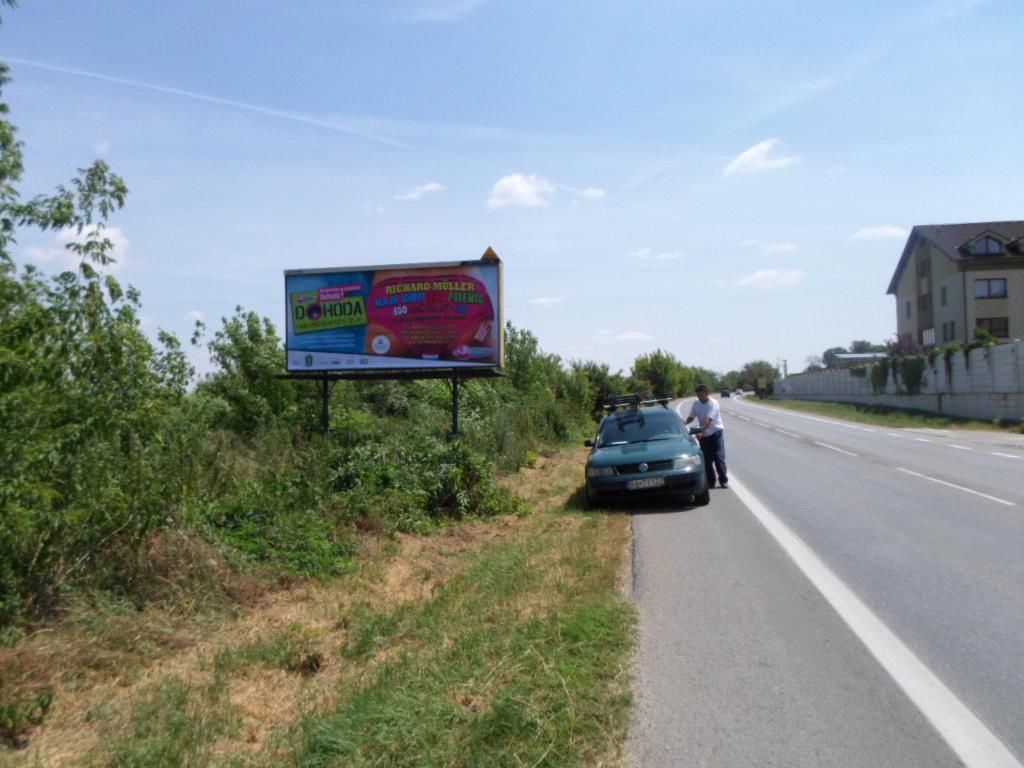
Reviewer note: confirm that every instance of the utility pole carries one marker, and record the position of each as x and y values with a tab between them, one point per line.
785	368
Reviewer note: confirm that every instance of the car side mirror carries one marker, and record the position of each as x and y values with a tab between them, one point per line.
589	442
696	430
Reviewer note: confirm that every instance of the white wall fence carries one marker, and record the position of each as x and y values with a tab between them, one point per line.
988	386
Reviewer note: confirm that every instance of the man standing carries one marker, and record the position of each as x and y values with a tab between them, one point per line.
712	444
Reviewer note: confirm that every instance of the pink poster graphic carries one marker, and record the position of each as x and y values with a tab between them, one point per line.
444	315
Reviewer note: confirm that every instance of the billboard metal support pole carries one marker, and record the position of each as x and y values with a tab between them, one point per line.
325	414
455	405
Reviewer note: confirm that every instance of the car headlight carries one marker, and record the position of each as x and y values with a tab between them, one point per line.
600	471
686	462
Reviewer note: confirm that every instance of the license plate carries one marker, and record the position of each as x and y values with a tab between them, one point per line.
645	482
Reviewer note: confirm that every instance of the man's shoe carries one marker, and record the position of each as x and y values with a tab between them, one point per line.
724	484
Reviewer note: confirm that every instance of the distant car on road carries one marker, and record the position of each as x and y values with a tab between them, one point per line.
643	447
726	393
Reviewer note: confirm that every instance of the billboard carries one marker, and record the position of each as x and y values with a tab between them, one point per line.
396	317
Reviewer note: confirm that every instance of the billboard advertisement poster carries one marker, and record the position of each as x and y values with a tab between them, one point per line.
416	316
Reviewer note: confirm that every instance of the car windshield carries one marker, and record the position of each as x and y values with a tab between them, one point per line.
636	427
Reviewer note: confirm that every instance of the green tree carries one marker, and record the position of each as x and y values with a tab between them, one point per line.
603	383
757	371
85	398
829	355
861	347
732	380
694	376
250	354
659	373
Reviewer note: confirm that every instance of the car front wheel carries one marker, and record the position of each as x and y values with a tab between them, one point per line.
703	499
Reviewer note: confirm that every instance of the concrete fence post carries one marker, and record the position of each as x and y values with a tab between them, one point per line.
1018	384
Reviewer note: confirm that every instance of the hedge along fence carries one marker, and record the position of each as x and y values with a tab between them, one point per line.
879	376
985	383
912	373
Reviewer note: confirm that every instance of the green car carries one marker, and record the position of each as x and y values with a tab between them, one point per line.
643	448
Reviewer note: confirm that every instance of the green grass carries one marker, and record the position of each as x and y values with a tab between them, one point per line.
175	725
294	650
518	661
520	658
888	417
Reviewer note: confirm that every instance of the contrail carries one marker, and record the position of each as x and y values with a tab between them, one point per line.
317	123
254	108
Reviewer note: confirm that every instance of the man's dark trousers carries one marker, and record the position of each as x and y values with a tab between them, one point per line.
713	447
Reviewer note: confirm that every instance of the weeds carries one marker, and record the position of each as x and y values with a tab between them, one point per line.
174	725
517	663
886	416
18	717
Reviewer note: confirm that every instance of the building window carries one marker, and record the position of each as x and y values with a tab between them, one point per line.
942	296
908	310
990	288
987	246
997	326
952	330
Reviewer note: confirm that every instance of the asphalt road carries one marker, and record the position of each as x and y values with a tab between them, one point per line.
855	599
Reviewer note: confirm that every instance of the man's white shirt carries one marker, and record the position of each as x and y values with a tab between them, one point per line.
709	410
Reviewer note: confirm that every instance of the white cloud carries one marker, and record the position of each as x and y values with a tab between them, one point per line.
546	301
419	192
884	232
764	156
592	193
195	316
770	248
102	148
649	254
772	278
605	337
58	256
520	190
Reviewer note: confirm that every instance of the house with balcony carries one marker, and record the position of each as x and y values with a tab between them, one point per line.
953	278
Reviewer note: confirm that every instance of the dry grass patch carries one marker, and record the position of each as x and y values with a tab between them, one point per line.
286	654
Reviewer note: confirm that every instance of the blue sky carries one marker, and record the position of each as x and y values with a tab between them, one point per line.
727	181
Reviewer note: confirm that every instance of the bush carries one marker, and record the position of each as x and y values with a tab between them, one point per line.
912	373
879	376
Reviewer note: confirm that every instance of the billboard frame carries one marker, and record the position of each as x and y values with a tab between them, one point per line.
455	374
489	259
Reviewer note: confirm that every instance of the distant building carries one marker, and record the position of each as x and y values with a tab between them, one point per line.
953	278
850	359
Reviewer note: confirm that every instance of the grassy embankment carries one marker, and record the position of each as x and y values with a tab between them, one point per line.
503	642
889	417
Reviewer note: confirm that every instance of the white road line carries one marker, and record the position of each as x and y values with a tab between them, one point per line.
837	450
921	440
1005	455
968	737
893	434
958	487
960	447
784	432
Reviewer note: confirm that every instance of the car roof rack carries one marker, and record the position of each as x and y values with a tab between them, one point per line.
633	401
